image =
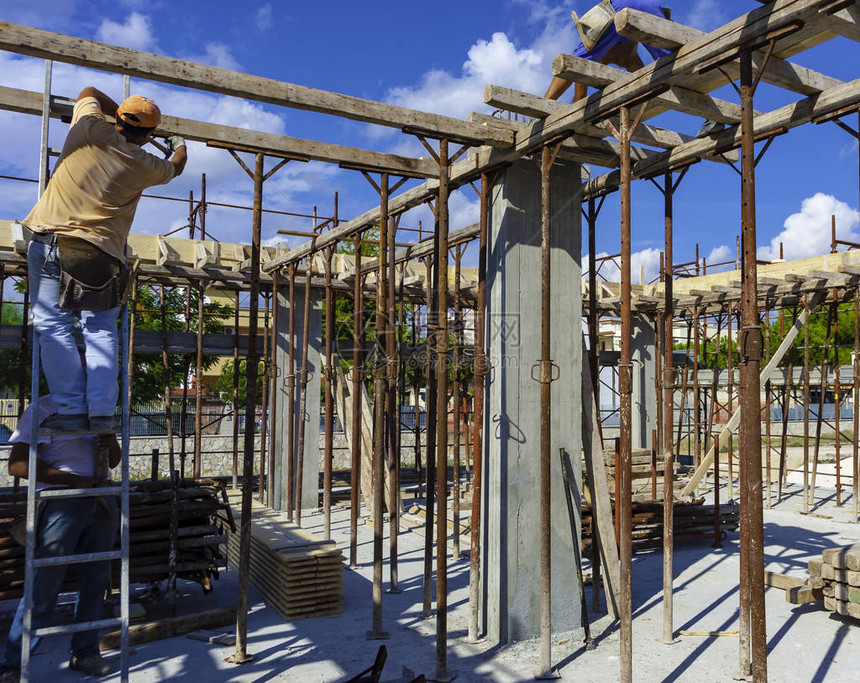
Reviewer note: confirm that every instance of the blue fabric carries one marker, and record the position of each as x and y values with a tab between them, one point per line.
611	38
67	527
76	391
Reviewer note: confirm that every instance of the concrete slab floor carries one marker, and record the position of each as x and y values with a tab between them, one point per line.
806	643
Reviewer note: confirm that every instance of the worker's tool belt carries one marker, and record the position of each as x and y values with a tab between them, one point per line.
593	24
90	279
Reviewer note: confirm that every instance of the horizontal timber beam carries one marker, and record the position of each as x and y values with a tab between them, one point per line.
62	48
687	101
659	32
24	101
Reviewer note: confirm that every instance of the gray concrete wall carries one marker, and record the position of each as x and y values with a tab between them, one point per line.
311	417
510	568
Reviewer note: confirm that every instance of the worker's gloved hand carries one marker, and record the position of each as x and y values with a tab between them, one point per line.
174	142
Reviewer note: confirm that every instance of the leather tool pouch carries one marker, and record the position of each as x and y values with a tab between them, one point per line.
90	279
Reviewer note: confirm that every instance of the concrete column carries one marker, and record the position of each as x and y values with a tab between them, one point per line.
511	571
644	376
311	466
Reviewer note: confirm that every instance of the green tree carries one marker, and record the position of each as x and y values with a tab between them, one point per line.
223	386
148	373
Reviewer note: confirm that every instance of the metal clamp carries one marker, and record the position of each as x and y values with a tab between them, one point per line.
548	371
751	343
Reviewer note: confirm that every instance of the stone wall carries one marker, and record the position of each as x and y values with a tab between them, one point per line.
218	454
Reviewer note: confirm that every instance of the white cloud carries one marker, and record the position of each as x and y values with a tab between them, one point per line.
807	232
496	61
644	266
135	33
216	54
706	15
264	17
720	255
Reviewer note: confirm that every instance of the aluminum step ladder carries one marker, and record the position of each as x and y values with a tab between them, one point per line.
30	561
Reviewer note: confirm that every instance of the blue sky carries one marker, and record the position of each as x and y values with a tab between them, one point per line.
436	60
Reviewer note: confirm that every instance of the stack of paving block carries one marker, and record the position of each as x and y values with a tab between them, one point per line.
839	568
298	574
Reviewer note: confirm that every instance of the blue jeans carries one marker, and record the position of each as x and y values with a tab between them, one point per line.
67	527
93	391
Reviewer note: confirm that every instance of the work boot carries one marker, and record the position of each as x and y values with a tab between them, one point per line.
65	424
91	665
104	424
709	127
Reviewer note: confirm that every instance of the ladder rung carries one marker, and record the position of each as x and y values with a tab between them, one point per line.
74	628
77	559
80	493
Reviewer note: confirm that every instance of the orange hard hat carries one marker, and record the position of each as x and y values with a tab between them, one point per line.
139	111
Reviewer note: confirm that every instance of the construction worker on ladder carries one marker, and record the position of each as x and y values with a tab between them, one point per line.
76	257
66	526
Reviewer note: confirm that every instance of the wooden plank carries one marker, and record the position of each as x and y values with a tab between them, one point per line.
802	595
660	32
846	609
170	627
847	557
845	22
784	118
13	99
781	581
540	107
830	573
89	53
682	99
601	505
842	591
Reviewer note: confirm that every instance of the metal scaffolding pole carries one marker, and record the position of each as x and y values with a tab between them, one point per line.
456	351
303	392
380	392
433	414
235	394
750	348
546	370
291	398
198	384
480	371
264	473
392	412
241	655
442	418
329	402
357	379
273	391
